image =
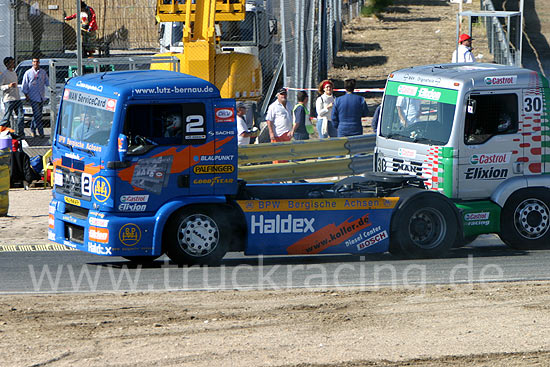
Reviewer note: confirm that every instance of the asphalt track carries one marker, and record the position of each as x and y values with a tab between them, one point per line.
34	270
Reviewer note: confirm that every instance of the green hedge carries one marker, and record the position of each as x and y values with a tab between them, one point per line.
373	7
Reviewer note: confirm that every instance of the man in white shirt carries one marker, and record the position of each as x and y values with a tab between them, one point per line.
11	99
243	134
408	110
464	49
278	118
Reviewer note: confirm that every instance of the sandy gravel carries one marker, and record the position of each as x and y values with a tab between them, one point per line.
496	325
27	219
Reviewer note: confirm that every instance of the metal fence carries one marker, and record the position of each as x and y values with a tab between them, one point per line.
299	55
311	35
40	28
504	32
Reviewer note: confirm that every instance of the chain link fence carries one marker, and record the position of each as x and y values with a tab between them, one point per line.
295	40
504	31
311	35
40	27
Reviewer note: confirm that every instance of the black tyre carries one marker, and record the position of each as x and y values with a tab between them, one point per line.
424	226
197	236
525	220
141	260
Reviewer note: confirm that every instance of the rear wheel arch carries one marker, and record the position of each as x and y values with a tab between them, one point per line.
425	224
223	218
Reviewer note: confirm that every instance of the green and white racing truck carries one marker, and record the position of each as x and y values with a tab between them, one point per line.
479	134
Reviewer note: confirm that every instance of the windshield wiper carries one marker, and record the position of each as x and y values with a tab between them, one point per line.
85	150
66	145
396	136
427	141
420	139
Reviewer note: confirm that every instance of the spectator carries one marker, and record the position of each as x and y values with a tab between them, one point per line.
89	28
464	49
300	112
12	100
34	85
243	134
376	118
278	119
348	111
408	110
323	105
36	21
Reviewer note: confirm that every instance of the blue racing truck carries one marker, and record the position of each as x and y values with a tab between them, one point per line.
145	164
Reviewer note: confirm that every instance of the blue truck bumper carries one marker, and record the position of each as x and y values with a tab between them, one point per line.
102	233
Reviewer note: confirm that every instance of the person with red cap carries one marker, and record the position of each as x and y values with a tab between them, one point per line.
464	50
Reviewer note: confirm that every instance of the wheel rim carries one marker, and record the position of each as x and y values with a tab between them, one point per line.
198	235
427	228
531	218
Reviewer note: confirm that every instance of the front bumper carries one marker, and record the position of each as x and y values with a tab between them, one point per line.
101	233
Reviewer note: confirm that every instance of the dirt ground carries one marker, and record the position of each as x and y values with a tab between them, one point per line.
475	325
468	325
27	220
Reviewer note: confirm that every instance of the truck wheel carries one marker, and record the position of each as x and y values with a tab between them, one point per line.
197	236
525	220
425	226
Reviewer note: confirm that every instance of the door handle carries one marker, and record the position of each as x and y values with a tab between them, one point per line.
518	167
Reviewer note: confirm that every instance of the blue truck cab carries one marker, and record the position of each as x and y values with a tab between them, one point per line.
146	163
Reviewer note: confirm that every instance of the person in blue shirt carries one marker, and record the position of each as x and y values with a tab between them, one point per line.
34	86
348	111
300	112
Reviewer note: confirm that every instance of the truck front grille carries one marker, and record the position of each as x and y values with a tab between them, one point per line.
76	211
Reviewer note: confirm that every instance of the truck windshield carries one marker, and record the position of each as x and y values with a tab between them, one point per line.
231	32
85	123
239	32
418	114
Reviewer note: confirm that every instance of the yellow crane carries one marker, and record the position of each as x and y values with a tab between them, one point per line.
236	75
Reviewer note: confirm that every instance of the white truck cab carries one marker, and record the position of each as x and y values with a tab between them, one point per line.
478	133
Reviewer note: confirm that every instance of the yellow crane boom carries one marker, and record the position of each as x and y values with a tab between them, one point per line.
177	11
237	75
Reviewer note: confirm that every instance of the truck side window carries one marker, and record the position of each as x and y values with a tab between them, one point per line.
495	114
166	124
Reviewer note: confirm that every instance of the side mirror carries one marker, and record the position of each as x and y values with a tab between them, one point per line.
471	107
122	147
